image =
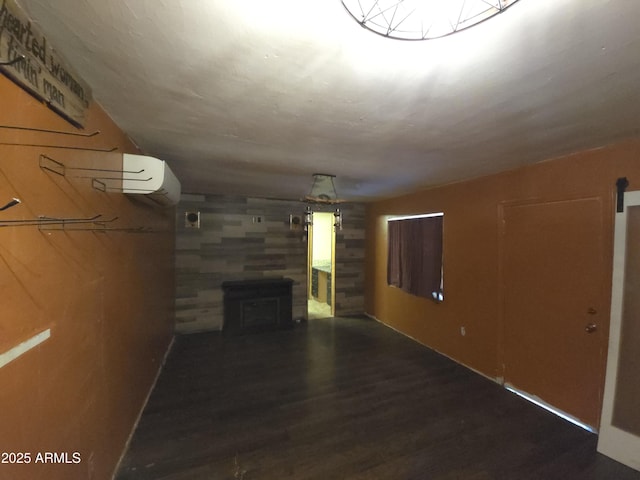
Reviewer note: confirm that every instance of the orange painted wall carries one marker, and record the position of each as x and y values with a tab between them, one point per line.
106	296
471	249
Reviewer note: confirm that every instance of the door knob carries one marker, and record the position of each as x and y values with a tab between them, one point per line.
590	328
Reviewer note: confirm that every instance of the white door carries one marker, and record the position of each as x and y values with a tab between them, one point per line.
620	423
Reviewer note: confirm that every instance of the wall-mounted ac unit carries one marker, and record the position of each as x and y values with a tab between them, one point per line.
151	178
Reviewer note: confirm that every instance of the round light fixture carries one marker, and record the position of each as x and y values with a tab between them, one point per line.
422	19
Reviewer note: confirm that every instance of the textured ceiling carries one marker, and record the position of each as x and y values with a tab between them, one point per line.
253	97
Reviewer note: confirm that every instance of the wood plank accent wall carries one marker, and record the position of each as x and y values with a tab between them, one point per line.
350	257
231	246
106	298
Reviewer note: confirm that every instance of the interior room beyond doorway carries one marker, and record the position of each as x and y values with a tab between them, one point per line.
320	266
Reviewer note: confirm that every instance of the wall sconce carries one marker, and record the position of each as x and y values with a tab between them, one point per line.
308	218
338	219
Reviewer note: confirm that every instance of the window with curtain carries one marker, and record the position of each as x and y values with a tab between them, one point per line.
414	261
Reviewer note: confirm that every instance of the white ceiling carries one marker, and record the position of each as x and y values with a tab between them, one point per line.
252	97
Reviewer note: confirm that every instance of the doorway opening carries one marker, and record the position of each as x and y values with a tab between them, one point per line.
321	266
620	427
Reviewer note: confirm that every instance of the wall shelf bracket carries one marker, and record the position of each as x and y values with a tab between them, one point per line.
45	130
95	223
85	149
45	222
54	166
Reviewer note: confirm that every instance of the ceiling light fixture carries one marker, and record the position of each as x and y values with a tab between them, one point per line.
422	19
323	190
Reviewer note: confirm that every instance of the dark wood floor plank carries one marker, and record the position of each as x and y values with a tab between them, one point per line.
345	399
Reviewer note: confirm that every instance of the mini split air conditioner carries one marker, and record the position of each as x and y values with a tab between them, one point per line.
151	179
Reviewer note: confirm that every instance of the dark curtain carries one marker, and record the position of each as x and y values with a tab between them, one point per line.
415	255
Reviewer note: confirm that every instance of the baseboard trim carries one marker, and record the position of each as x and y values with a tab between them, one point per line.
144	405
498	380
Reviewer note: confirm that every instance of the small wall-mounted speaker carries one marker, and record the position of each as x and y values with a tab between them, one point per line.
192	219
295	222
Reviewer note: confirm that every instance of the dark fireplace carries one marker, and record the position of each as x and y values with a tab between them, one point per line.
257	305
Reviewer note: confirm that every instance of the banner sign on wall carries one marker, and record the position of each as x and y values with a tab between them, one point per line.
29	60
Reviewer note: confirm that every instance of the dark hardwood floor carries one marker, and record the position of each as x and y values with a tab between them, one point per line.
345	399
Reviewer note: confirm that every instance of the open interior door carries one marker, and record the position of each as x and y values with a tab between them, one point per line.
620	423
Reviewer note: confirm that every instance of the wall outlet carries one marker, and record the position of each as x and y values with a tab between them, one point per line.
257	219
